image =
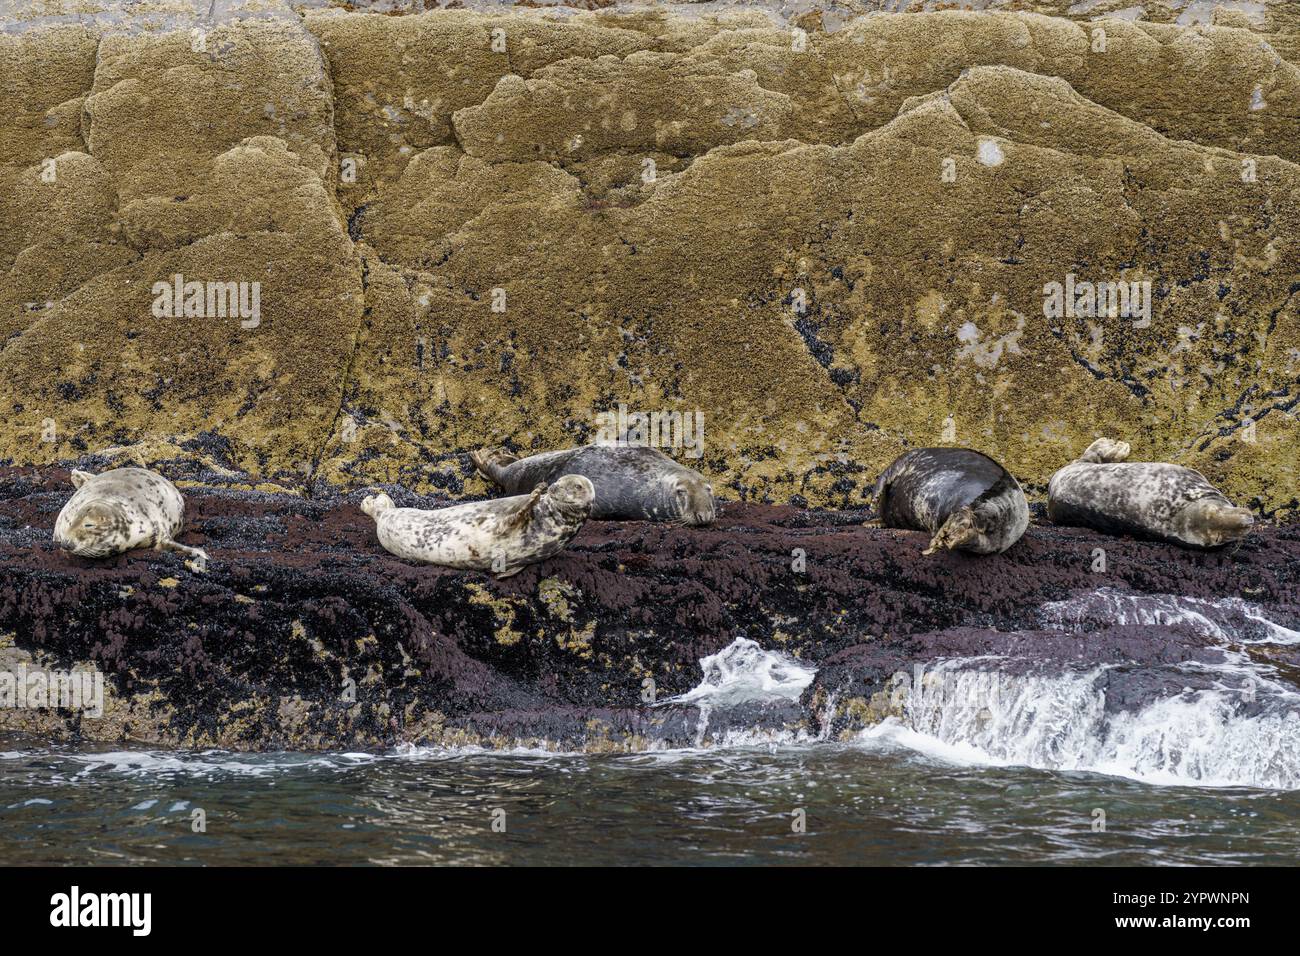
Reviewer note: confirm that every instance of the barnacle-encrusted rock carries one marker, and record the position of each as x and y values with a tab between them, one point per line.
831	236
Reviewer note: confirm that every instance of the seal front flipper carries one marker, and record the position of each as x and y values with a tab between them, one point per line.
516	522
962	527
491	462
509	572
525	512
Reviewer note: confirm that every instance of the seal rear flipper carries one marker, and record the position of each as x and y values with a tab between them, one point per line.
79	478
491	461
1105	451
199	556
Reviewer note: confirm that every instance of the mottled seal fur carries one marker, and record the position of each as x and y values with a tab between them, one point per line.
1099	489
119	510
964	499
633	482
501	536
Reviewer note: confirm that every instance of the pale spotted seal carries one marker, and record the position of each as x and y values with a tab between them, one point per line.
965	500
501	536
633	482
1101	490
119	510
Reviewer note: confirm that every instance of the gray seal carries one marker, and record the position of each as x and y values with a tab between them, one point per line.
119	510
964	499
1101	490
633	482
501	536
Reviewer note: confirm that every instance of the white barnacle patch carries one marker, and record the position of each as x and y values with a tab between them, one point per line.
990	153
1257	101
736	116
987	350
1127	13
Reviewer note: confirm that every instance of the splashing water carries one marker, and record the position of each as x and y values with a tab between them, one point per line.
1229	620
1235	733
743	673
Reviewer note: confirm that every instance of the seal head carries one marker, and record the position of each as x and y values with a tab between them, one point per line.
572	496
95	529
374	505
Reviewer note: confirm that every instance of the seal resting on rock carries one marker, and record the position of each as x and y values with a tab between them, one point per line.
633	482
964	499
1101	490
502	536
119	510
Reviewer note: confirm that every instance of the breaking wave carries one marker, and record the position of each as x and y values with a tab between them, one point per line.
1243	729
743	673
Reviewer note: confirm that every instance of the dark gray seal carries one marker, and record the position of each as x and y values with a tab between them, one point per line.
965	500
633	482
502	536
120	510
1100	490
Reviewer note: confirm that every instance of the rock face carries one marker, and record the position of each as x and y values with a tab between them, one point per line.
304	633
474	227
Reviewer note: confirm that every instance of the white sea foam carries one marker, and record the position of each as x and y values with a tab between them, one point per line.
1243	731
1224	619
76	765
743	672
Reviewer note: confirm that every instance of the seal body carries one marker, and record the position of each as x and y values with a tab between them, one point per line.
632	482
964	499
1101	490
119	510
502	536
